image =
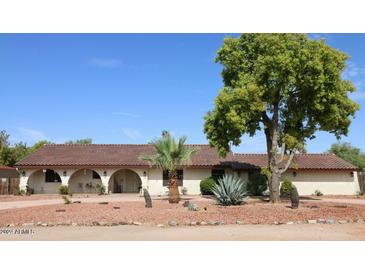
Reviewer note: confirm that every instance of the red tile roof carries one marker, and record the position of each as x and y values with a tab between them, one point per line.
128	155
6	168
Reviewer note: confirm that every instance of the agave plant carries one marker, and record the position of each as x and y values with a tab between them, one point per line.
230	190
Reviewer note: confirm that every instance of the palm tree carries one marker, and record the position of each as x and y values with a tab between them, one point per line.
170	156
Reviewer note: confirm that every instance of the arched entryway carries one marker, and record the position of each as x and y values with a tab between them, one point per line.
84	181
125	181
44	181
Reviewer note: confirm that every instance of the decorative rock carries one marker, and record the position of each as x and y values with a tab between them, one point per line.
137	223
123	223
172	223
147	198
299	222
186	204
39	223
221	222
312	221
290	223
11	225
193	223
96	223
330	221
44	224
103	224
342	222
203	223
193	207
238	222
74	224
360	221
160	226
28	224
321	221
350	221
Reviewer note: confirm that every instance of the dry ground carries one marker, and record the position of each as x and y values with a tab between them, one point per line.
162	212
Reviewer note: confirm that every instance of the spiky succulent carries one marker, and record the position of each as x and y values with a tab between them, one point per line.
230	190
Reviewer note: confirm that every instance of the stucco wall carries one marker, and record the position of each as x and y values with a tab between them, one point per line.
38	183
328	182
82	182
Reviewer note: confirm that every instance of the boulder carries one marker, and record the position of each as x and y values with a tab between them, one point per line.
312	221
193	207
147	198
172	223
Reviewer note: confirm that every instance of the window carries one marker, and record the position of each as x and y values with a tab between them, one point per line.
96	175
52	176
180	176
218	173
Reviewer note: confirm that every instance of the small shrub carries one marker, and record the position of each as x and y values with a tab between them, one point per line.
100	188
257	184
230	190
286	188
20	192
206	185
184	191
317	192
294	197
66	200
63	190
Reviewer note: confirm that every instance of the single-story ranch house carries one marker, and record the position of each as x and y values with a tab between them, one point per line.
120	169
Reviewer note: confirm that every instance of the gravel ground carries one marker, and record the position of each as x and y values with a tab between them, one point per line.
162	212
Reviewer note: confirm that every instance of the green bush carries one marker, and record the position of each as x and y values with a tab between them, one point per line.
257	184
206	185
63	190
286	188
66	200
100	188
230	190
20	192
317	192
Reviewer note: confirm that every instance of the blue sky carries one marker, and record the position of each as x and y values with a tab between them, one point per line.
127	88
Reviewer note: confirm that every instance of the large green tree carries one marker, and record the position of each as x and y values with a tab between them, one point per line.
349	153
170	155
285	85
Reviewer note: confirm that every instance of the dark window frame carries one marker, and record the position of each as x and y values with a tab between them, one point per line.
218	173
52	176
95	175
180	176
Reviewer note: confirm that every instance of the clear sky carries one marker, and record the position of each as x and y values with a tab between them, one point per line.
127	88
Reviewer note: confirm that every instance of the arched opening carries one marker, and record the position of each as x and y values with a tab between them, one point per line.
44	181
84	181
125	181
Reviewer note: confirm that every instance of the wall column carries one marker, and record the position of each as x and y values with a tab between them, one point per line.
23	181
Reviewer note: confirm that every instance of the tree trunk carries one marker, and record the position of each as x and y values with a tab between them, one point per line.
275	187
272	136
174	195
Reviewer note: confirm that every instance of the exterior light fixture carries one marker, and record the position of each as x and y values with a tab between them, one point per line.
144	173
105	173
294	174
44	170
65	173
23	173
352	174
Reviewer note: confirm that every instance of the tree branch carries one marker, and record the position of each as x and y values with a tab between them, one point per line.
288	163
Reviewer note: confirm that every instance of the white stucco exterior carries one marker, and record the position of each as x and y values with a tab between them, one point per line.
328	182
133	179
